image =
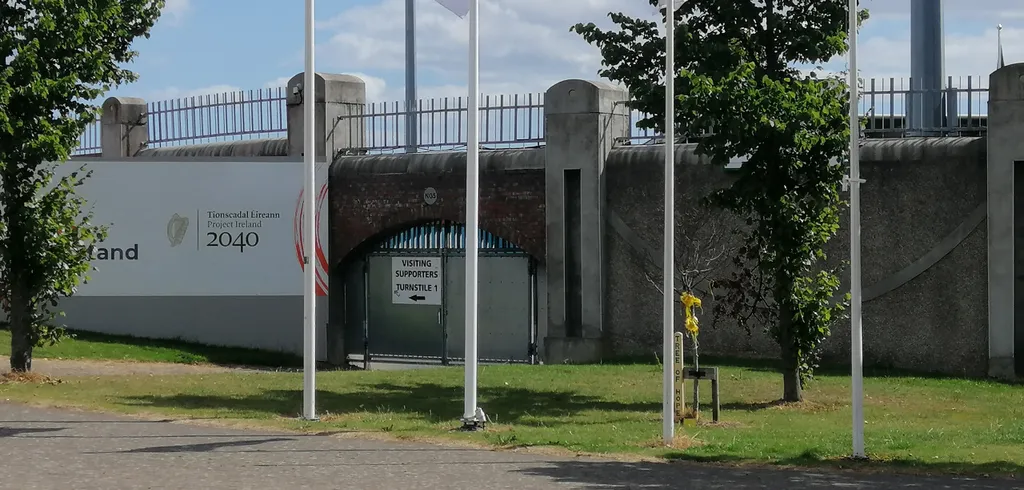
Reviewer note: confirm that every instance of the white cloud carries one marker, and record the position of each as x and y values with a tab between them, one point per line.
965	55
277	82
178	93
376	87
175	10
953	9
526	45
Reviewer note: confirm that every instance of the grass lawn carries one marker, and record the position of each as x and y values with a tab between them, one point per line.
88	345
919	423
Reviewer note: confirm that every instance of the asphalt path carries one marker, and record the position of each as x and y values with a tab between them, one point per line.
58	449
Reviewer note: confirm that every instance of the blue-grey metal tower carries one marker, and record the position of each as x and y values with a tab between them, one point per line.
926	106
411	102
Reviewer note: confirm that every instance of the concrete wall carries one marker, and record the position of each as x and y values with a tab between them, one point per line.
924	261
591	205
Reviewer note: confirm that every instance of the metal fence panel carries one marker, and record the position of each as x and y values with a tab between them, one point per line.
243	115
506	121
504	308
354	306
89	142
399	330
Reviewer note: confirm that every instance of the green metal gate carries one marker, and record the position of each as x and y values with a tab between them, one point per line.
412	287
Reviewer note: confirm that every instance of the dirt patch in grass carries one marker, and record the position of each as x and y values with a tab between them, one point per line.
724	424
28	378
81	367
680	442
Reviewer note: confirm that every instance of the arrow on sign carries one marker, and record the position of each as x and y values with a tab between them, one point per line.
417	298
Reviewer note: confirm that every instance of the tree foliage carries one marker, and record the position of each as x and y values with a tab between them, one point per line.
743	95
58	56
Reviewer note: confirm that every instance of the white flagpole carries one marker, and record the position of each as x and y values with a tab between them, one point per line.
999	44
470	419
668	274
309	224
856	347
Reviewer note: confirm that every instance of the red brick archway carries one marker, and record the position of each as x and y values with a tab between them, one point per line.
366	205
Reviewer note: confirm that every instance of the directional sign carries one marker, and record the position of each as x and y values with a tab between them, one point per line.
416	280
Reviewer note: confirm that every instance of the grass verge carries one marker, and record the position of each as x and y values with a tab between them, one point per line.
913	423
94	346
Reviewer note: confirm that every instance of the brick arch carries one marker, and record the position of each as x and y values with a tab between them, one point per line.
366	206
400	221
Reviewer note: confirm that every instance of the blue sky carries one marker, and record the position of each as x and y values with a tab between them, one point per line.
204	46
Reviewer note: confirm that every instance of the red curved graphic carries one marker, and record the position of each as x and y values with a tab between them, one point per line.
320	258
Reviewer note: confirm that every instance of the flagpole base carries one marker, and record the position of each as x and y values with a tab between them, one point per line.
475	423
472	426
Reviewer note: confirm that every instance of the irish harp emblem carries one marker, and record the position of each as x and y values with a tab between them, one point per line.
176	228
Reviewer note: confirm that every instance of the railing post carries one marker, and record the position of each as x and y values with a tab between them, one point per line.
124	127
340	102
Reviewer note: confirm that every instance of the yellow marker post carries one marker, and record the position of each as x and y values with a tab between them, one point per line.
677	363
689	302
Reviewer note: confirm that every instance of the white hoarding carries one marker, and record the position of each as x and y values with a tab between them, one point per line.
416	280
202	228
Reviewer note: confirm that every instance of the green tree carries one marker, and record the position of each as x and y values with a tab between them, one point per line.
743	96
59	55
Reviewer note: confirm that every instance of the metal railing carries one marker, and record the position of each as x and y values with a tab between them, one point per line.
506	121
888	104
252	114
242	115
89	143
885	104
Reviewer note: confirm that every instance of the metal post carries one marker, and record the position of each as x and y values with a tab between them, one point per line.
473	417
366	313
411	115
444	299
856	347
533	310
696	385
309	222
669	300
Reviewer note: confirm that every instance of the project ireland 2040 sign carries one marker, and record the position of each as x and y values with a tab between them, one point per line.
192	228
416	280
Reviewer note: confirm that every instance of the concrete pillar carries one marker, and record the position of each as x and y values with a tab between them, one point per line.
124	128
1005	264
339	99
582	120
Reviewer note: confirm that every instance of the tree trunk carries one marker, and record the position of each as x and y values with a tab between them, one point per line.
21	333
792	391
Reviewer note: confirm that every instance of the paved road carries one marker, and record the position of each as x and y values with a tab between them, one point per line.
50	449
